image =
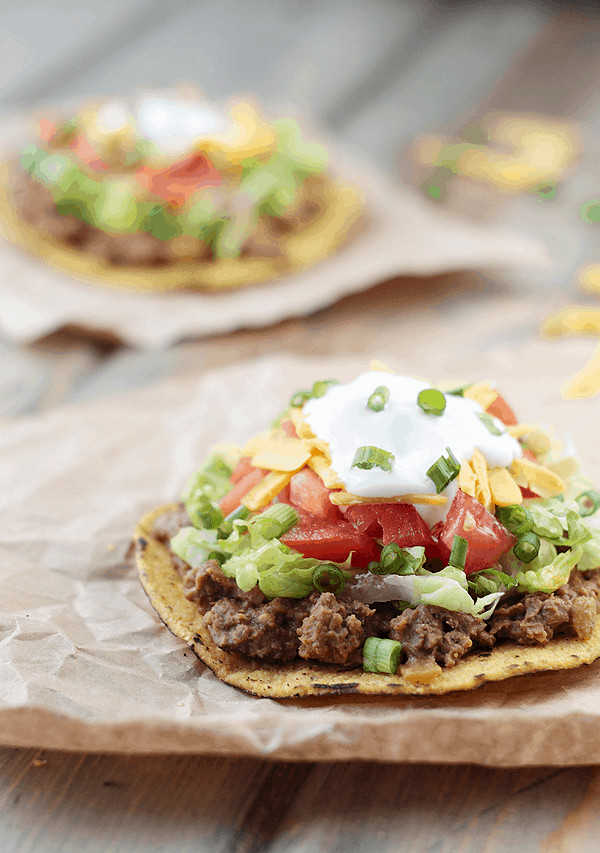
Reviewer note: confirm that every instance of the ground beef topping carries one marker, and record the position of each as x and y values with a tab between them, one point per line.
440	636
267	631
208	585
335	632
535	618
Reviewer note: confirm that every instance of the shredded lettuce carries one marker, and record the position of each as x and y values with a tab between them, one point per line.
196	546
590	557
560	524
549	577
252	554
448	588
204	489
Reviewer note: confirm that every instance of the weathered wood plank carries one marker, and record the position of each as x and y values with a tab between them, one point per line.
131	803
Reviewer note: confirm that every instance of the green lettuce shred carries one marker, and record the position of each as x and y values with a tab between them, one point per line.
449	589
590	557
204	490
549	577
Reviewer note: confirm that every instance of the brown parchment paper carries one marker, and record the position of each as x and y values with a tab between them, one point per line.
403	234
85	662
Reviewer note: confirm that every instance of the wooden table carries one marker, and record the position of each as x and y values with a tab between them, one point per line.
377	74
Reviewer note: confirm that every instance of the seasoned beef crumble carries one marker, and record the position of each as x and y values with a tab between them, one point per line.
333	629
439	635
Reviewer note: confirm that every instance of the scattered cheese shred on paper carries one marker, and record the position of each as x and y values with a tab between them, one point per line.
586	383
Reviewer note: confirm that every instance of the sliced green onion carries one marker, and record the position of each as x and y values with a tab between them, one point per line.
241	512
458	554
460	390
444	470
527	547
299	399
588	502
381	655
328	578
319	389
432	401
368	457
395	560
378	399
488	423
515	518
322	386
391	560
274	521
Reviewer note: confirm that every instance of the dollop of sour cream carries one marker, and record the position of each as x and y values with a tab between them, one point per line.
343	419
176	125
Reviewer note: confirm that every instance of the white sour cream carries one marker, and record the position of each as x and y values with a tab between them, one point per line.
416	439
176	125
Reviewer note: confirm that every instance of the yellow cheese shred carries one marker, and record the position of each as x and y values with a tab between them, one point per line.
586	383
505	491
538	478
320	465
281	453
380	366
268	488
482	488
467	481
348	499
482	393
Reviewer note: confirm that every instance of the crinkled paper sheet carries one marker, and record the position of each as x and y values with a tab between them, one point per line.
405	235
85	662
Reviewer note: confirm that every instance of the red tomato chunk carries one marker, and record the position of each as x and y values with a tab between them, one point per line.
233	498
400	523
487	539
501	410
308	493
331	540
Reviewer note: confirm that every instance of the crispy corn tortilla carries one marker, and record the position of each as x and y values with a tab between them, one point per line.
320	237
288	680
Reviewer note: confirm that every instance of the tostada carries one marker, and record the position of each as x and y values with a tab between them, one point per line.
168	190
383	536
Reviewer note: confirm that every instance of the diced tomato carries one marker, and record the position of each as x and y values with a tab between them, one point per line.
400	523
289	429
177	183
487	539
364	518
83	149
233	498
308	493
331	540
501	410
284	495
47	129
242	469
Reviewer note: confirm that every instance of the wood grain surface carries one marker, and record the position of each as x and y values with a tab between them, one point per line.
377	74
